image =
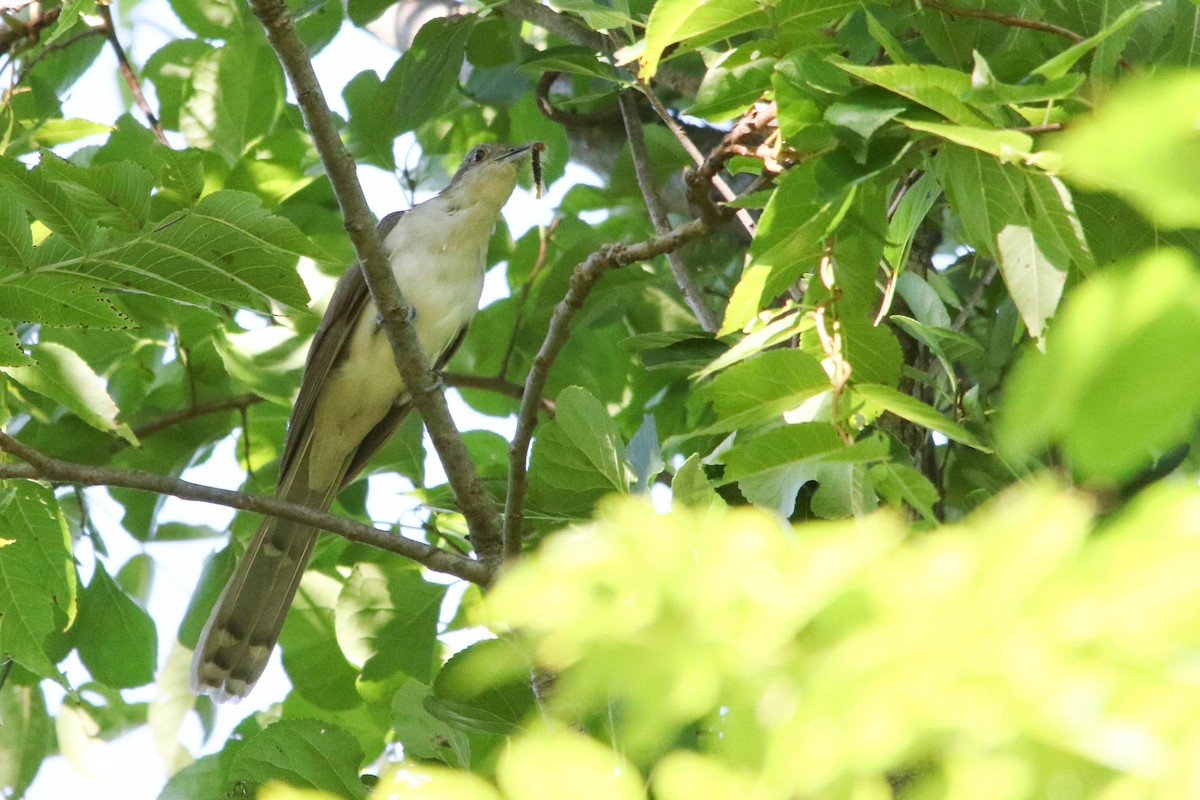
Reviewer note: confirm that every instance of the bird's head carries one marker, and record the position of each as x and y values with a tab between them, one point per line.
488	174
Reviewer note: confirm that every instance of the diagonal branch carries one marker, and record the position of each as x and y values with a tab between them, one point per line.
658	214
40	466
1004	19
583	279
131	79
241	402
476	504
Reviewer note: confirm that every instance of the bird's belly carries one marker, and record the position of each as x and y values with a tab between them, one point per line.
359	392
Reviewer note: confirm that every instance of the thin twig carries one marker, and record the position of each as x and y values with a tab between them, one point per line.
460	380
1003	19
131	79
658	214
583	279
964	313
40	466
241	401
426	389
27	66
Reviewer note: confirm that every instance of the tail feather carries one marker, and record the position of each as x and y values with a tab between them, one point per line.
245	623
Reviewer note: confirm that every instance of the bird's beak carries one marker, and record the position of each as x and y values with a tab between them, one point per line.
517	153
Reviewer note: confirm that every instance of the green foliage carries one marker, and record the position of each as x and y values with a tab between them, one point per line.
972	263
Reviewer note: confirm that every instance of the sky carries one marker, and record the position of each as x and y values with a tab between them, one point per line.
128	768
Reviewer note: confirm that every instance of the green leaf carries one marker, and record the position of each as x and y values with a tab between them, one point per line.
555	762
423	735
1107	398
732	84
136	576
937	88
789	444
54	132
108	615
1034	281
426	76
570	59
306	753
25	737
212	19
486	686
900	483
169	69
37	576
49	203
224	112
673	21
371	138
913	410
66	378
1008	146
386	621
1059	65
1152	169
1026	222
16	240
580	454
312	656
692	488
762	389
114	195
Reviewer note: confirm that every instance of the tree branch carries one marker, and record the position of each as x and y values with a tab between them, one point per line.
583	278
498	385
658	214
241	401
40	466
131	80
1003	19
477	506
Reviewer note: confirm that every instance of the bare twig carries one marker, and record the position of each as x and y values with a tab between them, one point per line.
964	313
498	385
476	504
131	79
40	466
241	401
658	214
583	279
1003	19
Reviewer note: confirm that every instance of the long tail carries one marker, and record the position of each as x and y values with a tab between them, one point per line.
245	622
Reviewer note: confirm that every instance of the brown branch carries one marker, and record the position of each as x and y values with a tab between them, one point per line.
461	380
39	466
964	313
567	118
583	279
658	214
131	80
577	33
699	180
425	387
1004	19
241	401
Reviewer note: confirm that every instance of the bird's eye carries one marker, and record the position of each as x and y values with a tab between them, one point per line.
477	155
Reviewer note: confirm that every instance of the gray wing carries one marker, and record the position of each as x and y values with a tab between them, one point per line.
327	351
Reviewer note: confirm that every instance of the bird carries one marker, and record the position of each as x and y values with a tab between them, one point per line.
351	400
